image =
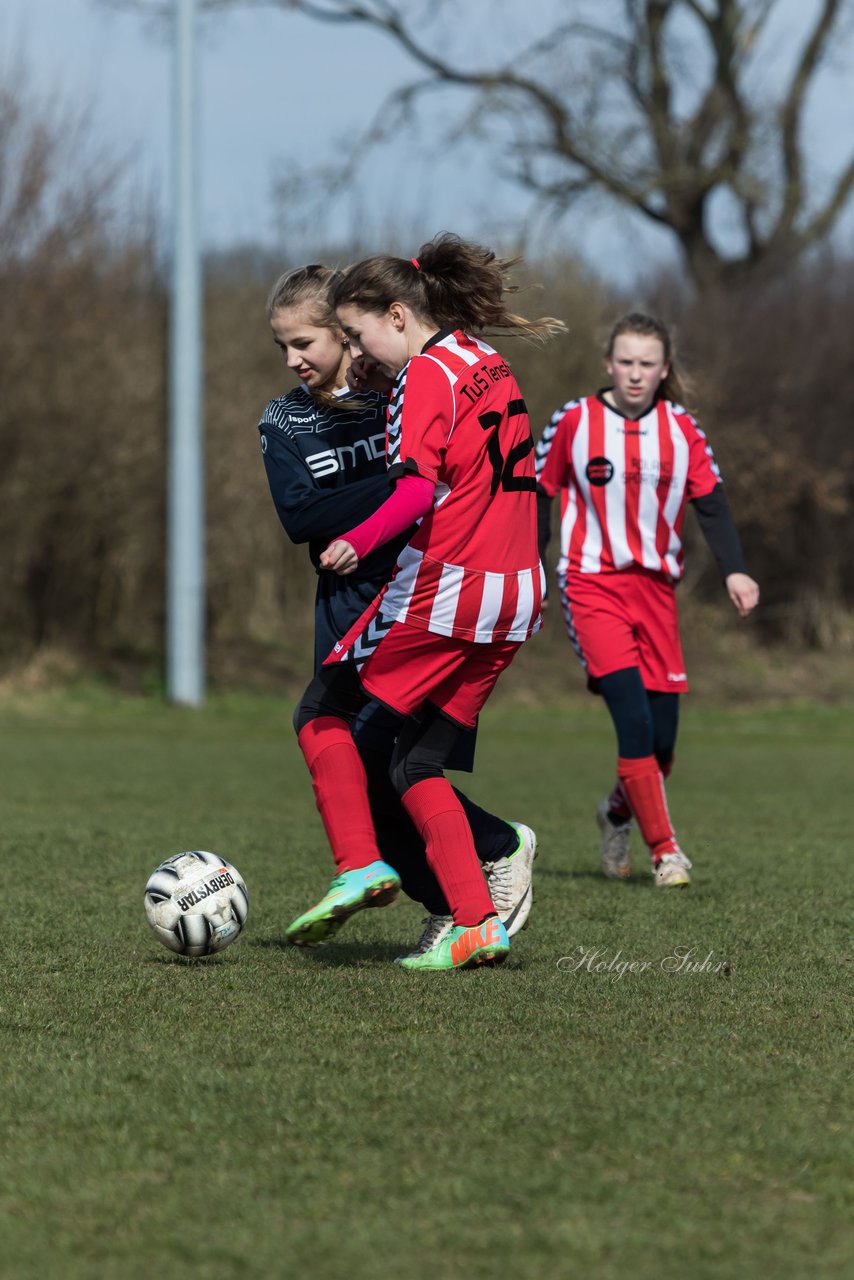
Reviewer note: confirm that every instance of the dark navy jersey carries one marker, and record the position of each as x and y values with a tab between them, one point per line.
327	473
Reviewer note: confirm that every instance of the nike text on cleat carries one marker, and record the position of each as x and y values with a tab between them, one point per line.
435	928
509	881
373	886
464	948
616	851
672	870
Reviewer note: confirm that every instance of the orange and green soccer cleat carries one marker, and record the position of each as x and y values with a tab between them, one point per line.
464	947
373	886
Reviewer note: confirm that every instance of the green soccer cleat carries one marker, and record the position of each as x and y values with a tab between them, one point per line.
464	947
435	928
373	886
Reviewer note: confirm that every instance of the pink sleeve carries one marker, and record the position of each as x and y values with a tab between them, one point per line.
412	498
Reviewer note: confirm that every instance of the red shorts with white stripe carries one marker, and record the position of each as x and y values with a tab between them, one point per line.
410	667
626	619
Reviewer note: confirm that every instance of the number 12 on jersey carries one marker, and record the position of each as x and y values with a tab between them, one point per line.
503	468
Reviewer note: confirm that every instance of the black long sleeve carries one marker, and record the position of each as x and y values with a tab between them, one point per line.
544	522
718	528
310	514
325	465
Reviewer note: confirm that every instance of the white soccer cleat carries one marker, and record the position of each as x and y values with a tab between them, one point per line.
435	929
616	850
509	881
672	871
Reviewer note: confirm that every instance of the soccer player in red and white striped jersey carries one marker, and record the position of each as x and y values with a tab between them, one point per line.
324	453
625	463
457	422
466	590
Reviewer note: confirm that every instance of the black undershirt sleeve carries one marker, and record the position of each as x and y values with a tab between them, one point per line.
544	522
718	528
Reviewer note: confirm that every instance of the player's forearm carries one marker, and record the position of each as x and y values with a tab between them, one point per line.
718	528
412	498
544	521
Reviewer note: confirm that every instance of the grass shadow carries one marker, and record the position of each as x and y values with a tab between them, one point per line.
337	953
636	882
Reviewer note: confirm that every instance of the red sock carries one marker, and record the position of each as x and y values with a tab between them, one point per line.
340	790
644	785
439	816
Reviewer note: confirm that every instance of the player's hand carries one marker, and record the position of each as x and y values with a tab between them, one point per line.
340	557
743	592
363	375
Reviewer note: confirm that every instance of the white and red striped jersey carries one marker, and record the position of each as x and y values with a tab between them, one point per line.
623	484
472	569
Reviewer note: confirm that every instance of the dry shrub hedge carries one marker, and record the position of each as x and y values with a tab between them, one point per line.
83	331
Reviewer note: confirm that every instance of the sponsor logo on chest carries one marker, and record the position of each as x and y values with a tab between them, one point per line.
654	471
346	457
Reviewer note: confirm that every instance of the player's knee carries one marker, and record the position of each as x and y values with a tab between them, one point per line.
301	717
397	773
309	707
409	767
422	749
637	722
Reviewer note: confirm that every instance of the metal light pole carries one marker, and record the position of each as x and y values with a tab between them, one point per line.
185	605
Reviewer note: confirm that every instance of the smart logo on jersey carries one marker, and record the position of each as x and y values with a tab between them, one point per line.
599	471
328	461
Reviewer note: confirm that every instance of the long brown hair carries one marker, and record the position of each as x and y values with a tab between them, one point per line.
675	385
450	283
308	287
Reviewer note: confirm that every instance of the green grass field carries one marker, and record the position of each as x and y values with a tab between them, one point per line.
273	1113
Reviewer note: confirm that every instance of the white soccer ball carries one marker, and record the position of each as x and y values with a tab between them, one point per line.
196	903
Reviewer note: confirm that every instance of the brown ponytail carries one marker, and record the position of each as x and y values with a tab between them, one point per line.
449	282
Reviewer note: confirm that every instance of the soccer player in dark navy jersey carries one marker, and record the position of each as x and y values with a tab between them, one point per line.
324	451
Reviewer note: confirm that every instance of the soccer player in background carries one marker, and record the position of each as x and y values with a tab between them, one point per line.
465	592
324	455
625	462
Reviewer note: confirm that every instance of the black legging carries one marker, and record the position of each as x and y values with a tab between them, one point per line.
646	721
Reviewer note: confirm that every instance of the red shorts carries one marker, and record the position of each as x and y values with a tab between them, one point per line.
410	667
626	619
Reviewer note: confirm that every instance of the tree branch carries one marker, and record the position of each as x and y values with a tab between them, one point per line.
607	114
823	221
791	113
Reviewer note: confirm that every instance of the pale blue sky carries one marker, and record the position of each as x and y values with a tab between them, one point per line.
278	89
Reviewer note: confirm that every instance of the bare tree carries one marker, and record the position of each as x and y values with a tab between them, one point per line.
662	105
